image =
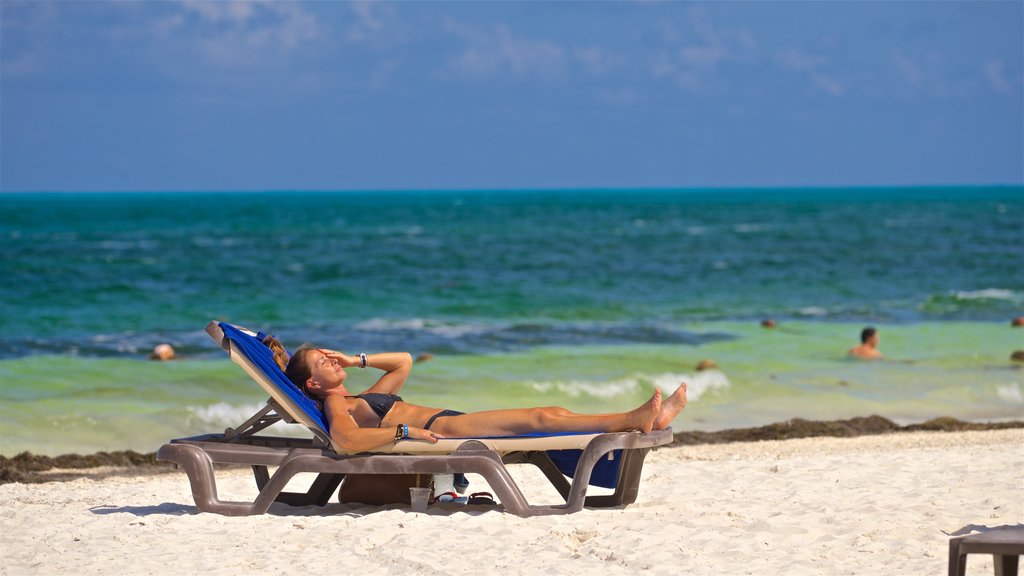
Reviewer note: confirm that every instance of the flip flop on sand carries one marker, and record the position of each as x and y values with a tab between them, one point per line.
484	498
452	497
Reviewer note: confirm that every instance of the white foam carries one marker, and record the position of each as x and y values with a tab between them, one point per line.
124	245
445	329
697	385
399	230
214	242
223	415
812	311
577	388
1011	393
382	324
989	294
750	227
125	342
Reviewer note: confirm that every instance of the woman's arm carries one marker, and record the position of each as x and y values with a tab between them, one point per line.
396	367
349	437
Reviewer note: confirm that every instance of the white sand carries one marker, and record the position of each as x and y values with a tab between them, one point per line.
876	504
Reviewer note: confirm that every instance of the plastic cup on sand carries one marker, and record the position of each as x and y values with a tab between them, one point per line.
418	497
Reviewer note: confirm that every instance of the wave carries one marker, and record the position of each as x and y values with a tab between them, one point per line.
697	385
1011	393
985	302
814	311
751	227
130	344
414	334
441	336
989	294
436	327
223	415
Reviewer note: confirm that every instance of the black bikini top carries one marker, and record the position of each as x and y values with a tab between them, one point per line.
380	403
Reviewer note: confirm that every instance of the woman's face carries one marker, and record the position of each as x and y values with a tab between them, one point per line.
326	373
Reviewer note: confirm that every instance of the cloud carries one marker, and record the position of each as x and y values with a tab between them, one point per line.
797	61
241	33
996	77
908	68
702	57
812	67
499	52
929	73
369	20
695	50
618	96
597	61
828	84
23	26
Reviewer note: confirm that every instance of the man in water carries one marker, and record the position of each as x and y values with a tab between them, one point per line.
868	349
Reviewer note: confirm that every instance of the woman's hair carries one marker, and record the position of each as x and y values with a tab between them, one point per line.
280	355
297	370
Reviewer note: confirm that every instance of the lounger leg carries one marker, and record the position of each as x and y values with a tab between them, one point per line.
319	492
627	487
581	479
957	561
1006	564
199	468
262	476
554	475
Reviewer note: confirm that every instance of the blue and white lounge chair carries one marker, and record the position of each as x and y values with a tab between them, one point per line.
612	460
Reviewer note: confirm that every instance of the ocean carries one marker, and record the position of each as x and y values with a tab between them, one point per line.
586	299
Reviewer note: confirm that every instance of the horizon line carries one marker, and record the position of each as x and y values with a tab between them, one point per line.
794	188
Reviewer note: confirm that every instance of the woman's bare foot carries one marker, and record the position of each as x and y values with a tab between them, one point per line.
644	416
671	407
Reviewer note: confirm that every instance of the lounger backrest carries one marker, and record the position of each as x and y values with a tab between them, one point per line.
258	361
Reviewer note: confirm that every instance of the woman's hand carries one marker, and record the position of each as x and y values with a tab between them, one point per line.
423	434
345	360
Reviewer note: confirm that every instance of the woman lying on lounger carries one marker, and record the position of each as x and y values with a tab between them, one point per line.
361	422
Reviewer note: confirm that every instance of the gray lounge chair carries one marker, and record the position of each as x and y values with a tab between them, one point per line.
1005	545
621	453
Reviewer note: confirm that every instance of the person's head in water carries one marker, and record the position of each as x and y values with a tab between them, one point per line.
868	349
162	352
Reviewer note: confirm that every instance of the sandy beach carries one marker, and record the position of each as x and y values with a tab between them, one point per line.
873	504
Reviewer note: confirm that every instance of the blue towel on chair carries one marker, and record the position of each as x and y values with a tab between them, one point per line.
605	474
263	358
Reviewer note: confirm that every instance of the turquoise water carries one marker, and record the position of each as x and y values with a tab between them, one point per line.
582	299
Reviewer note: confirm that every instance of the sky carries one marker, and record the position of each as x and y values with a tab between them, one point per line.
208	96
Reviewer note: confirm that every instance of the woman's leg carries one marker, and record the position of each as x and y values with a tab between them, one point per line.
553	419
